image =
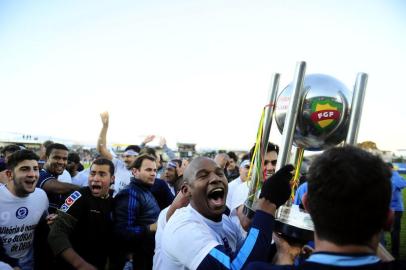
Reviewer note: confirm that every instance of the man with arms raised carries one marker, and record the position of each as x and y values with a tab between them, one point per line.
201	237
82	233
21	207
348	198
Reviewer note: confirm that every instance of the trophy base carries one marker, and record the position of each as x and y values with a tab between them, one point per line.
293	233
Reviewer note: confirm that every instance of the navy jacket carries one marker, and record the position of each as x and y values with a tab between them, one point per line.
135	209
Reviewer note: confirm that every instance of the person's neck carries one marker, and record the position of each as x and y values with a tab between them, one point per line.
11	187
328	246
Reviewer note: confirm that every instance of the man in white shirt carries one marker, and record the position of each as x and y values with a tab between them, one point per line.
237	194
22	205
122	171
201	237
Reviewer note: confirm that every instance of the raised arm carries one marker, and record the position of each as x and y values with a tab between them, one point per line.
102	142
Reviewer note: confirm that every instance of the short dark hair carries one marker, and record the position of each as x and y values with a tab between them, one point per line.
11	148
53	146
133	147
270	147
349	192
149	151
74	157
138	161
233	156
47	143
19	156
104	161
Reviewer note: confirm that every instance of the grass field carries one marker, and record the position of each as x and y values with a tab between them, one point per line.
402	232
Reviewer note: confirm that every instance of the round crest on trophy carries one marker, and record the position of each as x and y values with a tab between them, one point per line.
323	116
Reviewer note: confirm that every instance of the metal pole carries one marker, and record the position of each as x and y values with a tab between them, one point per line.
273	91
291	116
356	108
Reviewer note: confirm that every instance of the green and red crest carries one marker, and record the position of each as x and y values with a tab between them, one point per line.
325	112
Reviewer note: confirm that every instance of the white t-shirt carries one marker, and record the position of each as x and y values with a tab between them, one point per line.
82	178
237	195
18	219
65	177
4	266
161	223
122	174
188	237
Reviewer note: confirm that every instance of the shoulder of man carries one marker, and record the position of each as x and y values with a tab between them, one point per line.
74	203
44	176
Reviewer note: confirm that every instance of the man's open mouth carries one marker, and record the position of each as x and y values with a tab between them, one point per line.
216	197
96	187
29	183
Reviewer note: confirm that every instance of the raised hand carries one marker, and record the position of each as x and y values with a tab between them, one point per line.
105	118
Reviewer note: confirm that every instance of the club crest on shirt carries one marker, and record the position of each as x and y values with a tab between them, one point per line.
70	201
22	212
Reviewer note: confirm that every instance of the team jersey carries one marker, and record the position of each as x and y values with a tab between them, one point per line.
122	175
334	261
18	218
85	224
188	238
55	200
237	195
161	223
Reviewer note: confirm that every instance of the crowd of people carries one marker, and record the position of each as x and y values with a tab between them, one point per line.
133	212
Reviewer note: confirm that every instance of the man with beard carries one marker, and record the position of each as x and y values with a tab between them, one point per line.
22	205
55	164
81	235
201	237
136	212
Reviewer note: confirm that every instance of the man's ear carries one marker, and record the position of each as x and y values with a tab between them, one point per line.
305	202
390	217
9	174
133	171
113	178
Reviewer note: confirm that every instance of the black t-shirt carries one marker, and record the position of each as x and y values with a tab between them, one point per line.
91	237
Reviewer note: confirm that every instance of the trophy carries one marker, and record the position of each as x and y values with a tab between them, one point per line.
313	113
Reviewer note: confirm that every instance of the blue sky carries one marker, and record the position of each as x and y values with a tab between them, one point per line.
192	71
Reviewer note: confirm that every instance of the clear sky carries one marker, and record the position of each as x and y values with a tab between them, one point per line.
192	71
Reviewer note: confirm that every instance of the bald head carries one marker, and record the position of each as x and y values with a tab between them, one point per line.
190	173
208	187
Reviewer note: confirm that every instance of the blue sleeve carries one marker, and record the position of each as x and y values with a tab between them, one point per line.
399	182
256	247
126	211
302	189
43	177
162	193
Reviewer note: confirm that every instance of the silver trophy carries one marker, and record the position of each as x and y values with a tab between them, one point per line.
313	113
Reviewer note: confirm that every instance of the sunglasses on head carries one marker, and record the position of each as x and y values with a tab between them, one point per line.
273	162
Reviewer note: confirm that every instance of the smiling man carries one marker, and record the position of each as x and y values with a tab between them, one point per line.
201	237
21	207
81	235
136	213
57	159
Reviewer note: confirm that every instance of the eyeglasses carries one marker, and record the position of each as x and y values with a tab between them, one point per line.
273	162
